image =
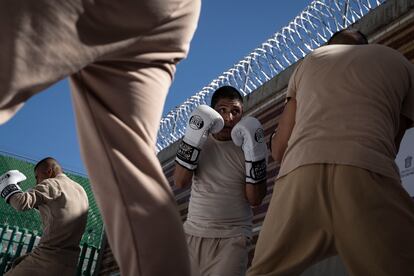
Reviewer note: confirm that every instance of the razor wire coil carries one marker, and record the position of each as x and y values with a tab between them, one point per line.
306	32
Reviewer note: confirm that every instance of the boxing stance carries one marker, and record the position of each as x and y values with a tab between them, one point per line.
63	207
223	157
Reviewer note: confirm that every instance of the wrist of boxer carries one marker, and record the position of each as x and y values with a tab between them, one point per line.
255	171
9	191
187	155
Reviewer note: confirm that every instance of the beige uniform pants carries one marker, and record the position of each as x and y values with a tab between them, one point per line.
321	210
121	56
36	265
218	256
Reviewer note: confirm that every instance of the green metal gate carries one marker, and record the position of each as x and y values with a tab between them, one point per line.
16	242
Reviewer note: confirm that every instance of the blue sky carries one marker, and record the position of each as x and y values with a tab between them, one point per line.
227	31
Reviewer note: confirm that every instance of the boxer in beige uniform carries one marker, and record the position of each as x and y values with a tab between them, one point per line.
223	157
339	190
63	207
121	58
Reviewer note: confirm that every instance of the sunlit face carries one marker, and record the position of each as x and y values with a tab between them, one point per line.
232	112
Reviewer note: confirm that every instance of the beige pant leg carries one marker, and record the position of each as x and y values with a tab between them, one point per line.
132	47
44	41
296	231
39	46
194	249
117	131
373	223
218	256
38	266
118	106
228	257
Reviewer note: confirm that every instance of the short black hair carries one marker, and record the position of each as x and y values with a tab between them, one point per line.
226	92
349	37
48	162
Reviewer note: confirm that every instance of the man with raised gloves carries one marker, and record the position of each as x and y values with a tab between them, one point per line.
223	158
63	207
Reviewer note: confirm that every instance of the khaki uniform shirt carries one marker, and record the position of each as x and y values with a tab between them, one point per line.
63	207
349	101
218	206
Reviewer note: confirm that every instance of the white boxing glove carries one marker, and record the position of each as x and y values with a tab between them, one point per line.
249	134
203	121
9	183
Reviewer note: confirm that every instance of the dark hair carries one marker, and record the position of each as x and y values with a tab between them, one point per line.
225	92
348	36
48	162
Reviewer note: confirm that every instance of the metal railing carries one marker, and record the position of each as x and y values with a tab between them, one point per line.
16	242
306	32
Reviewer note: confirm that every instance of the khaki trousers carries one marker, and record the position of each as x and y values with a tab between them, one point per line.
321	210
218	256
121	57
36	265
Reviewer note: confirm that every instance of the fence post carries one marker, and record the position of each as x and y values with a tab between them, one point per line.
6	254
31	242
20	244
82	258
90	261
